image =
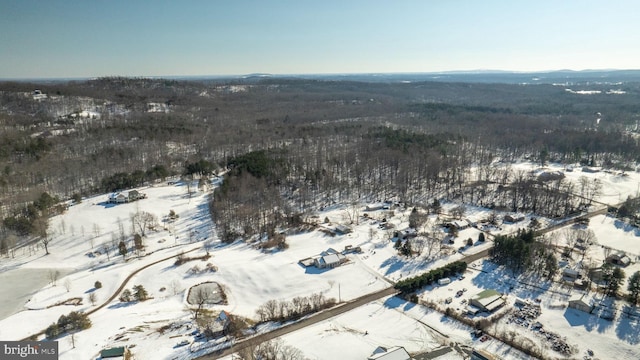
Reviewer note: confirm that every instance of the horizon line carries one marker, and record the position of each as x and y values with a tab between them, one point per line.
267	74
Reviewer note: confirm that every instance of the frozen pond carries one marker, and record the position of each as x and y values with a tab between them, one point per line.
209	293
19	285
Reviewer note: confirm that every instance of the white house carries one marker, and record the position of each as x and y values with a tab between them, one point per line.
118	198
329	261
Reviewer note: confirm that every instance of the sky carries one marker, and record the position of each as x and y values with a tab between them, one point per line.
62	39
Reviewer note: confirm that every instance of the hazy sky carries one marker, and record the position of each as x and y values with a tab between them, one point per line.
87	38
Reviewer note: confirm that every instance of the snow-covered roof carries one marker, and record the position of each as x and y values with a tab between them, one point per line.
331	259
394	353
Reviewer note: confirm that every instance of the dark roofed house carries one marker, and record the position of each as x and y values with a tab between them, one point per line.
134	195
619	259
513	218
119	352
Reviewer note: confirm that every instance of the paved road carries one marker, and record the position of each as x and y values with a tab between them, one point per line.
327	314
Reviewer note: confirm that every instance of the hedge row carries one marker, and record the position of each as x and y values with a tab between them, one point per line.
412	284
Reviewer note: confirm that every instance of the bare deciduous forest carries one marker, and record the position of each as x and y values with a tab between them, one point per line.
295	145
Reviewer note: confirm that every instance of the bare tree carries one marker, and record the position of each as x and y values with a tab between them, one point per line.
143	220
175	287
53	276
105	249
67	284
200	297
352	213
121	232
93	298
96	230
41	226
269	350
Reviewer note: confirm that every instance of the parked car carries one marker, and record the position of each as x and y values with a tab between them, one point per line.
448	300
183	343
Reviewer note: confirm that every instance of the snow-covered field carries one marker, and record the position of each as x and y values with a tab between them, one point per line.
251	277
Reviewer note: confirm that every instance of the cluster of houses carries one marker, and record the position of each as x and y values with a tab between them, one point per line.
121	198
579	278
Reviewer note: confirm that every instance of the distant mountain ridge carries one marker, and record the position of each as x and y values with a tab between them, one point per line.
565	76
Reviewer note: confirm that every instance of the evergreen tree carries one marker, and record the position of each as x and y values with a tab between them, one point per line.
122	248
126	296
406	249
633	286
140	293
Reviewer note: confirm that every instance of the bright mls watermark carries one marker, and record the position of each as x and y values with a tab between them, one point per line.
33	350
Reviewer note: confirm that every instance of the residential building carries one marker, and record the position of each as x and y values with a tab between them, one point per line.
394	353
582	303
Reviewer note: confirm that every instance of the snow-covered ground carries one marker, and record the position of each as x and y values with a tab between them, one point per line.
251	277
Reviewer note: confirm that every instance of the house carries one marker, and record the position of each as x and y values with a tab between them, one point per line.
582	303
374	207
219	326
513	218
488	300
118	198
342	229
619	259
409	233
394	353
595	274
329	261
39	95
458	224
480	354
570	274
134	195
119	352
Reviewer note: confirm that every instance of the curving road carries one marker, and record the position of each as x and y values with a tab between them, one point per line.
120	288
